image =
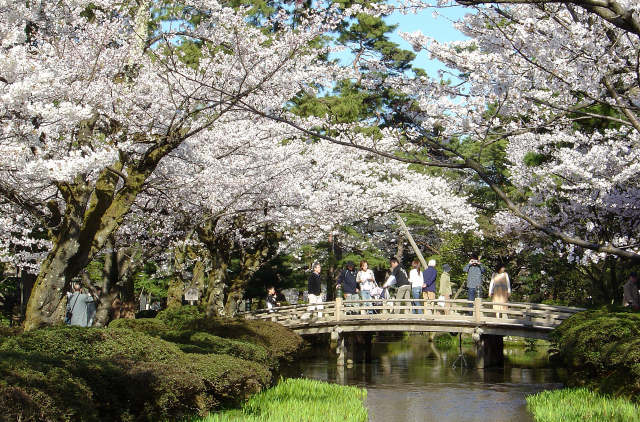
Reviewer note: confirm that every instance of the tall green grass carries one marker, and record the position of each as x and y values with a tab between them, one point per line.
581	404
300	400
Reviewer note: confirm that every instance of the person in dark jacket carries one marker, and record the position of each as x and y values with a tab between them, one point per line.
271	300
314	289
401	280
348	280
474	270
429	287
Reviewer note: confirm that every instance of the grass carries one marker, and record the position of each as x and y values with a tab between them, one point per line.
300	400
581	404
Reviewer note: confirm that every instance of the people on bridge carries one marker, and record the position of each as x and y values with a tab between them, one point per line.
445	287
399	278
415	278
271	298
429	285
314	290
630	294
500	289
348	280
474	270
367	282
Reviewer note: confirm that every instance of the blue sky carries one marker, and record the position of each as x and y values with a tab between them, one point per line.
440	28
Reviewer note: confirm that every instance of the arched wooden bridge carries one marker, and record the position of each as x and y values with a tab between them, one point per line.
531	320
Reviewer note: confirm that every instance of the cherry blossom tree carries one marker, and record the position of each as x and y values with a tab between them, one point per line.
89	108
559	81
108	128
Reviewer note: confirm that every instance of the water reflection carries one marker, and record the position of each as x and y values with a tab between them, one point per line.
413	380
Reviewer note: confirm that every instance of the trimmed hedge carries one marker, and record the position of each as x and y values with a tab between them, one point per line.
137	370
603	347
278	340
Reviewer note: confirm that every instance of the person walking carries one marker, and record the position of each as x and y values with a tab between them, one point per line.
630	295
415	278
77	304
348	280
500	289
314	290
399	278
367	282
445	287
429	285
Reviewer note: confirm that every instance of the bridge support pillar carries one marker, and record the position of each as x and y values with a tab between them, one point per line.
490	350
367	346
341	350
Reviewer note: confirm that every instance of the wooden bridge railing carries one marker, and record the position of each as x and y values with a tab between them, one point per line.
478	312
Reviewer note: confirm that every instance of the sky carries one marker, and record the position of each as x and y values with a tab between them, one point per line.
439	28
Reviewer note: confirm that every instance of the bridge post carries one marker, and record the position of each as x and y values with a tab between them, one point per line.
490	351
477	309
338	308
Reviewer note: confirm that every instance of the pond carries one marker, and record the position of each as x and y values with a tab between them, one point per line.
413	379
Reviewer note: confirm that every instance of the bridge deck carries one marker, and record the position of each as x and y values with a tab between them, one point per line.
531	320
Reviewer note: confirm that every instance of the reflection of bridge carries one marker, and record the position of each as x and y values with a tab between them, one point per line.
488	325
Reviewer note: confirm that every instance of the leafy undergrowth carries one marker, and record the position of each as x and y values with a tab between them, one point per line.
581	404
138	370
602	347
300	400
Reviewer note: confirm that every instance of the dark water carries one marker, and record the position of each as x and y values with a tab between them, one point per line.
413	380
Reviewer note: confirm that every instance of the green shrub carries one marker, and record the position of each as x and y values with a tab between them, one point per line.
157	369
144	325
65	374
300	400
579	405
177	317
198	342
94	343
603	347
278	340
445	339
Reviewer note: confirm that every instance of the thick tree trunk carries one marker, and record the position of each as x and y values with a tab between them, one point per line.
109	293
214	300
251	262
46	305
174	291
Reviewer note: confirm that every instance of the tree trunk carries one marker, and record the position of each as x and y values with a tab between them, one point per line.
109	292
214	300
251	262
331	262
